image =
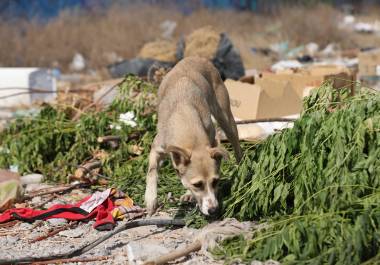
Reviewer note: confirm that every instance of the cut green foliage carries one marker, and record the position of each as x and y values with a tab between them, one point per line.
55	145
316	186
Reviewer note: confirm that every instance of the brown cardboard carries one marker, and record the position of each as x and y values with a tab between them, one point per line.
369	63
265	99
278	99
313	77
244	99
277	95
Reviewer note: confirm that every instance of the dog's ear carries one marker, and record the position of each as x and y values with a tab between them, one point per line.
180	157
219	153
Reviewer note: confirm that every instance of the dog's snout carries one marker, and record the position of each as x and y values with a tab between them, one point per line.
212	211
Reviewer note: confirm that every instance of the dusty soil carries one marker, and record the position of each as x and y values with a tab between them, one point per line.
148	241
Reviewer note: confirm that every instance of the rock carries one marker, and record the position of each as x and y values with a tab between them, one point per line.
32	179
36	200
11	240
35	186
25	226
271	262
57	221
73	233
138	252
120	258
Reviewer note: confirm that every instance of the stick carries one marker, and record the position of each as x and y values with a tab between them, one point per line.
109	138
38	206
54	232
59	261
91	245
9	224
86	168
265	120
178	253
112	140
52	190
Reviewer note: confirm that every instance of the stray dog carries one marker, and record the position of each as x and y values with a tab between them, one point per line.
189	95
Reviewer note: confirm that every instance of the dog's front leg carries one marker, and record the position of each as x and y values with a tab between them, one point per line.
151	202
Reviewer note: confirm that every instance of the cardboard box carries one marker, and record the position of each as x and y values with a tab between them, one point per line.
314	76
278	95
252	101
369	68
369	63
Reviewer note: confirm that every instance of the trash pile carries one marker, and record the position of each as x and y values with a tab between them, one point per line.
315	187
204	42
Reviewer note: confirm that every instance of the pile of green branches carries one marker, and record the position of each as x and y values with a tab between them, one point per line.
53	144
315	187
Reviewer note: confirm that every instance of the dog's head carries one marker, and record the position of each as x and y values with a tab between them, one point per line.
199	173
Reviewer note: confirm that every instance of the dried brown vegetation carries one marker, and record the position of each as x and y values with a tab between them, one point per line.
122	32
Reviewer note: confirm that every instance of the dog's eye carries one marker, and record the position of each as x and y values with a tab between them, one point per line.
214	183
198	185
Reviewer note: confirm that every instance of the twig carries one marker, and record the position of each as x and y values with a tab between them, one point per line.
112	140
108	138
178	253
52	197
265	120
91	245
86	168
9	224
52	190
59	261
54	232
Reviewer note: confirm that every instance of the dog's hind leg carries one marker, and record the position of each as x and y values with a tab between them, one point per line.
155	156
223	115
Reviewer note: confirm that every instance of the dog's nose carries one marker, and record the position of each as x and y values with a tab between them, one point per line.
212	211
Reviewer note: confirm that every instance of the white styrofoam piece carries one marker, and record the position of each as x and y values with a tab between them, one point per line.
16	83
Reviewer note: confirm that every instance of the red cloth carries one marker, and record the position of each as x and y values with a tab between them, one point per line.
102	213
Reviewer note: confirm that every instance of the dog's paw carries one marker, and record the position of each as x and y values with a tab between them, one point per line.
187	197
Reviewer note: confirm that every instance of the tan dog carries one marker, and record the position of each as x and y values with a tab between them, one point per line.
188	96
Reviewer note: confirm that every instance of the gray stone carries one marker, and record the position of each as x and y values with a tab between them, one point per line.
36	200
25	226
73	233
32	179
11	240
271	262
57	221
138	252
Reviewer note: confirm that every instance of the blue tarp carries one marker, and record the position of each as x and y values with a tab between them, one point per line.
46	9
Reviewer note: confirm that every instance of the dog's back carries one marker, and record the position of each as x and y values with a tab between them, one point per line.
184	100
197	70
